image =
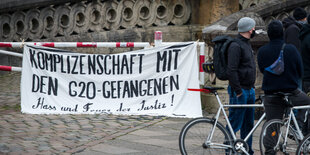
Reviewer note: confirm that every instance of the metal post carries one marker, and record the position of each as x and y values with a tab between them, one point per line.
201	60
158	38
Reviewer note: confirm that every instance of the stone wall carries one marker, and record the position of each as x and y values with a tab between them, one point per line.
243	4
134	21
210	11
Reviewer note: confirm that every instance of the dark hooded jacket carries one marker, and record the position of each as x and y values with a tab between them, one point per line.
304	36
269	53
293	69
292	29
241	66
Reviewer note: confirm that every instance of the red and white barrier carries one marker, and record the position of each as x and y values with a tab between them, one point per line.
64	44
157	40
201	59
11	53
10	68
76	44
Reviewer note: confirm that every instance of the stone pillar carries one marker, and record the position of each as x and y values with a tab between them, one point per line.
208	11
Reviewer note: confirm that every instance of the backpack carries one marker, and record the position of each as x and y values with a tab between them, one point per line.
220	55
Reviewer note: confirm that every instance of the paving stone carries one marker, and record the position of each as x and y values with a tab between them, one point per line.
148	133
31	152
44	148
159	142
89	152
82	134
4	148
112	149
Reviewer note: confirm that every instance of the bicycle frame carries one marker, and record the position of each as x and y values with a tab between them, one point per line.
231	131
238	144
292	117
287	124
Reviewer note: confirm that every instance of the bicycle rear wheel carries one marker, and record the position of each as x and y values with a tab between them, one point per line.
304	146
195	133
273	136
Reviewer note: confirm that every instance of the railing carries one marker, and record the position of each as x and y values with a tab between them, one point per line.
157	40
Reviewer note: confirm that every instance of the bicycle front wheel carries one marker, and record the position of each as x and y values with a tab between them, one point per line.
272	138
304	146
196	138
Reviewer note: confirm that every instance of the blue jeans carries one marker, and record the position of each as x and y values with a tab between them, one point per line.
242	118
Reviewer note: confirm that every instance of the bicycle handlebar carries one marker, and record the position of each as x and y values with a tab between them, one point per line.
206	89
201	90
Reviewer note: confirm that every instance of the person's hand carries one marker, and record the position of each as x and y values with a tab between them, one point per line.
238	95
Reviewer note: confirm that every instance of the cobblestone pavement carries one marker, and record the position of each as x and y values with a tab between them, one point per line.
83	134
55	134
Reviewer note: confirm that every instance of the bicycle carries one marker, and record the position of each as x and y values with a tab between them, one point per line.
282	135
304	146
209	136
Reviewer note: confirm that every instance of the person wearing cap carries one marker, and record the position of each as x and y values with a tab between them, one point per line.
241	73
292	26
285	82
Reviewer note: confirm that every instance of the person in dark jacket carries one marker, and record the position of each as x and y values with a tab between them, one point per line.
241	71
285	82
292	27
304	36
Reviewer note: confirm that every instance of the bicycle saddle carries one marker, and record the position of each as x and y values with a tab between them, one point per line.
283	94
285	97
212	88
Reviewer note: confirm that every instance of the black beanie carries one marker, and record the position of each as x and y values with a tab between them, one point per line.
299	13
275	30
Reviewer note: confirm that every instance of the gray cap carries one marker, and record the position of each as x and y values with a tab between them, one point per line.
245	24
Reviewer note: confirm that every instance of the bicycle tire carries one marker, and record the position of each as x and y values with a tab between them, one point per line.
269	138
194	134
304	146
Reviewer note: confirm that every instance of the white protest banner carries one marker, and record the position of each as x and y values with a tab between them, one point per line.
145	82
